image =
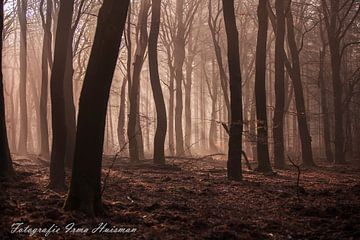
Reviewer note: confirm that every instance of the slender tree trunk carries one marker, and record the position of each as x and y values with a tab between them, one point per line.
334	44
171	109
188	85
260	90
223	78
306	148
57	164
134	128
278	126
121	118
46	62
85	190
213	138
70	112
161	121
179	58
23	139
236	124
6	168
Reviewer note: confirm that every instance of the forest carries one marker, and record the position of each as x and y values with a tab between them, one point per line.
180	119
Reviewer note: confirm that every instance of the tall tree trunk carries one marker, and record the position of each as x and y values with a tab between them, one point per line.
46	62
260	90
236	124
134	128
214	92
23	139
278	126
57	171
171	108
188	85
85	190
306	148
6	167
179	58
223	78
161	121
334	44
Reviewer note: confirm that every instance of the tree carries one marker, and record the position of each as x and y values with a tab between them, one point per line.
324	99
46	62
6	167
236	123
260	90
70	112
22	9
278	126
214	24
57	171
85	189
134	128
338	20
179	58
161	126
295	74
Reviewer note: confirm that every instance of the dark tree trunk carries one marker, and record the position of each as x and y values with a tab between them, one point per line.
278	126
236	123
85	190
260	90
46	62
171	109
23	139
161	121
6	168
306	148
121	118
70	112
134	128
223	78
334	44
179	58
57	164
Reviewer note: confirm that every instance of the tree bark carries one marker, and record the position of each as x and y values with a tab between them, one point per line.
236	124
334	44
46	62
260	90
121	118
6	168
278	126
85	190
134	128
57	164
179	58
23	139
306	148
161	121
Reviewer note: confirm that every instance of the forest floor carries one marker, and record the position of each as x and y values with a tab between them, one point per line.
191	199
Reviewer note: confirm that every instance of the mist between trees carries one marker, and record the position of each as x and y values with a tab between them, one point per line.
178	78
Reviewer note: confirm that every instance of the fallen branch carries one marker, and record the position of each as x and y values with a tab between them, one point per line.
194	158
